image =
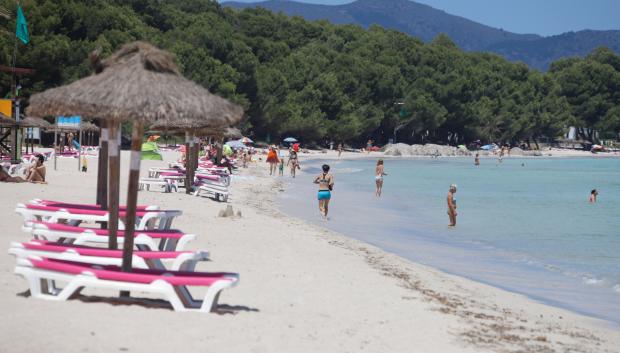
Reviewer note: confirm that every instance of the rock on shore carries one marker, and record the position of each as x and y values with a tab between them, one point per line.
403	149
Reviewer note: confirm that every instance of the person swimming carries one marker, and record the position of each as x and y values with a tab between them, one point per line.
379	173
326	185
593	195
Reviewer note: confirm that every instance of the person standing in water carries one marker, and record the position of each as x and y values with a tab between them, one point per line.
379	173
326	185
477	159
452	205
593	195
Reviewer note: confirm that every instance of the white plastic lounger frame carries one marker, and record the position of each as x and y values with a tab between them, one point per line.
167	184
183	262
219	191
146	220
42	286
141	241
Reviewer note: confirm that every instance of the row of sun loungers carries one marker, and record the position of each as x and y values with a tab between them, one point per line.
209	180
64	250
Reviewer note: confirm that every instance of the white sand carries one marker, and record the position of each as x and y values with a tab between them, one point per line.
302	289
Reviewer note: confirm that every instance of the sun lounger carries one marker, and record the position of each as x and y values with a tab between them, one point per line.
220	192
168	184
176	260
42	274
160	219
163	240
53	203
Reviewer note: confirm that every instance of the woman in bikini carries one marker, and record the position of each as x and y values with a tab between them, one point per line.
326	185
379	173
293	162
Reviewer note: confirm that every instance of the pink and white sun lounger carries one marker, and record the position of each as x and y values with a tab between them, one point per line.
176	260
53	203
42	274
163	240
160	219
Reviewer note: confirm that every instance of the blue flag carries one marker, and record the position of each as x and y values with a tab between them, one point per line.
21	29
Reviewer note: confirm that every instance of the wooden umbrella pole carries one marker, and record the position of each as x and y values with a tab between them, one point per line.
195	159
132	193
188	180
114	162
56	144
102	168
192	166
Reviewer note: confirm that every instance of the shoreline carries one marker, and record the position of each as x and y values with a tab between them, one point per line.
613	321
302	288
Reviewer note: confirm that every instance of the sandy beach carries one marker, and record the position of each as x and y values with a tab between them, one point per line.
302	288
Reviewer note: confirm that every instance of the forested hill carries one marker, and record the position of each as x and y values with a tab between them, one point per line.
426	23
317	81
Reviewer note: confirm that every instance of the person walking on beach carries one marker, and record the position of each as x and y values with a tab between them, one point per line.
293	162
326	185
368	146
477	160
339	149
452	205
272	159
593	195
379	173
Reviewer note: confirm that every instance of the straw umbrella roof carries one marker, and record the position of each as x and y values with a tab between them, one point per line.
35	122
218	131
6	121
139	81
88	126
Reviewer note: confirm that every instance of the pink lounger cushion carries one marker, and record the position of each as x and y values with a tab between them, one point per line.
114	273
208	177
168	233
61	204
48	246
86	210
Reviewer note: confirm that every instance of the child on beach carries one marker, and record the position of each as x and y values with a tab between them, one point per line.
281	167
452	205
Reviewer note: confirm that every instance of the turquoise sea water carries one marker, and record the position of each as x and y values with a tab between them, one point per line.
524	225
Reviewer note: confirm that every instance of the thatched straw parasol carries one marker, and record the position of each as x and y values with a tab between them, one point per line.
88	126
141	83
35	122
138	82
6	121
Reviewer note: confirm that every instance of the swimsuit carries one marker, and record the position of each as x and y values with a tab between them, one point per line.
378	177
324	195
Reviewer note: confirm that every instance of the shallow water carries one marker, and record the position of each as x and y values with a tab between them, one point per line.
524	225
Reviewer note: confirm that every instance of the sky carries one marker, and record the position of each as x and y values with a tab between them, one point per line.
544	17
